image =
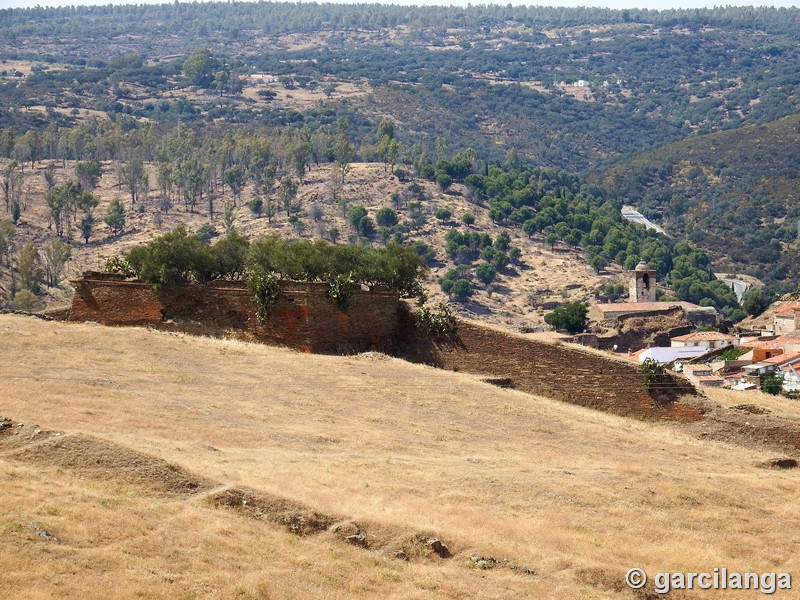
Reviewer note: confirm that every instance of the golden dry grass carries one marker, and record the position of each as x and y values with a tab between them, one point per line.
778	406
578	496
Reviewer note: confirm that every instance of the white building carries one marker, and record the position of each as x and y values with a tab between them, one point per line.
709	340
668	355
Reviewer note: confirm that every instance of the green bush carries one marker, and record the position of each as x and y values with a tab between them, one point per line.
366	227
178	257
485	273
440	322
570	317
772	384
652	372
386	217
340	290
443	214
461	289
754	302
207	232
264	291
355	214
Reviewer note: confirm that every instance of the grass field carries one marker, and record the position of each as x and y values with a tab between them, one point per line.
402	452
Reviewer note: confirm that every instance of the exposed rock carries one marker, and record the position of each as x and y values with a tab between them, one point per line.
503	382
780	463
438	547
42	533
750	408
357	539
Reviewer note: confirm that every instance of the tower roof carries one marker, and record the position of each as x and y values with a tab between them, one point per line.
642	266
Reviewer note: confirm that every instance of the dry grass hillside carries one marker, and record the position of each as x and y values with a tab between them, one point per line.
544	274
156	465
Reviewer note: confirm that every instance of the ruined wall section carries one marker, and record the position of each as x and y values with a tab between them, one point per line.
303	318
556	370
306	319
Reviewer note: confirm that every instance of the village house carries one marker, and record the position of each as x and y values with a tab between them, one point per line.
787	317
710	340
665	356
763	349
259	78
702	375
791	374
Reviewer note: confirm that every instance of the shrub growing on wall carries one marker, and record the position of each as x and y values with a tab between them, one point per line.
178	258
264	291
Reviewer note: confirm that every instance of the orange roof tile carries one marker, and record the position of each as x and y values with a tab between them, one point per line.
763	344
788	309
704	335
783	358
708	378
734	375
696	368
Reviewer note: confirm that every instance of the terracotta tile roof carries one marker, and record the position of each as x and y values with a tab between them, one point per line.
763	344
704	335
783	358
788	309
644	306
693	368
734	375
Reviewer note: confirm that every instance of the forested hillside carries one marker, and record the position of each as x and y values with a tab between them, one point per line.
513	127
732	193
487	77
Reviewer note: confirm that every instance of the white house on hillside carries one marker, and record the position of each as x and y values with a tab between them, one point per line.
665	356
710	340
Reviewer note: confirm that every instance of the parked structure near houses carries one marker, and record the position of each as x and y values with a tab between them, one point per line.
666	356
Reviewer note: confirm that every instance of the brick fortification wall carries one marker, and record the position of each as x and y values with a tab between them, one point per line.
303	318
553	370
306	319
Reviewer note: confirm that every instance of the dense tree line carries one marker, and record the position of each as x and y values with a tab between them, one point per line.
179	258
563	208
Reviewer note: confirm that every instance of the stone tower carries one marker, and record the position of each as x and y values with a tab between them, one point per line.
643	284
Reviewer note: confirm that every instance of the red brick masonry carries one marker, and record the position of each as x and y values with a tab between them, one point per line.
303	318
